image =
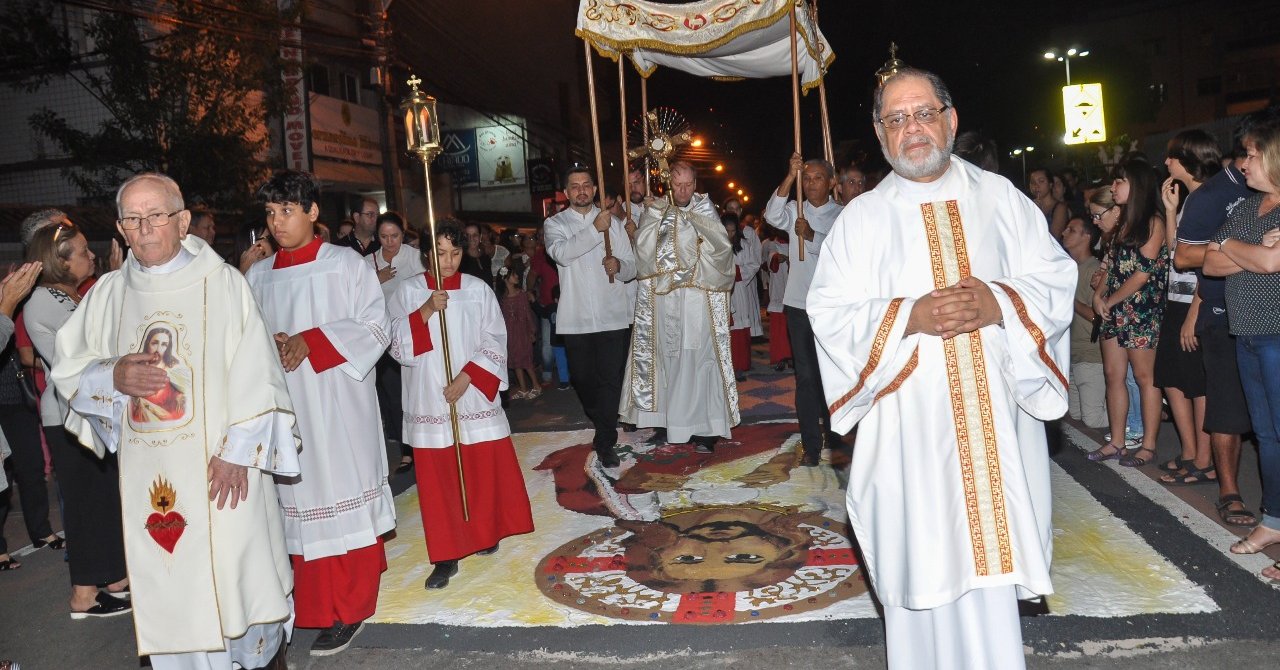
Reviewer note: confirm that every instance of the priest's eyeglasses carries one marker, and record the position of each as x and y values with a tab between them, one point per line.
154	220
923	117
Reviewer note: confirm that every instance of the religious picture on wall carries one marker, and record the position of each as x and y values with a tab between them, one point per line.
170	406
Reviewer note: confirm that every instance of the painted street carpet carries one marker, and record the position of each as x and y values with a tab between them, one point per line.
738	536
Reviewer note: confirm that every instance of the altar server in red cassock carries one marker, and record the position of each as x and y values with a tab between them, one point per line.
498	504
328	315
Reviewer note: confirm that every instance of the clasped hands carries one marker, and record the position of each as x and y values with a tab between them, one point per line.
138	376
961	308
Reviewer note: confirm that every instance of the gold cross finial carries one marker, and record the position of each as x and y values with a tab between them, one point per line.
660	147
891	66
414	81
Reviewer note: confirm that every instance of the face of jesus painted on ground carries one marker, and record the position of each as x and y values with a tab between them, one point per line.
917	151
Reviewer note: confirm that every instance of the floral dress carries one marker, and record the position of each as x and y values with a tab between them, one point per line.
1135	321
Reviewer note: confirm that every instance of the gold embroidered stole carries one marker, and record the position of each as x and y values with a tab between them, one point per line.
971	406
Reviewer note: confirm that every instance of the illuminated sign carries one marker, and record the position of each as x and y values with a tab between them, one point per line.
1082	108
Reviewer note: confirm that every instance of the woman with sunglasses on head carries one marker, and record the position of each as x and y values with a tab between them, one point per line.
89	485
1131	303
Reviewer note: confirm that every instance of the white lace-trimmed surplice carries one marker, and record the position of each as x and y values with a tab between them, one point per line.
949	484
477	336
341	501
679	374
202	579
744	304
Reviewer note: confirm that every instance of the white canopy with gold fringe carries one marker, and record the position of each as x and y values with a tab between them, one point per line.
722	39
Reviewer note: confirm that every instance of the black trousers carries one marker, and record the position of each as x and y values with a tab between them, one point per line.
811	405
389	400
22	428
91	510
597	363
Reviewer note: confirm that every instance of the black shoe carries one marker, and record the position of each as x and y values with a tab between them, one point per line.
740	376
811	460
658	438
704	445
782	365
55	544
490	551
439	578
335	638
107	606
608	457
405	466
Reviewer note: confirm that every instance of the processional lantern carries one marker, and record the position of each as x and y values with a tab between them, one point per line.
421	125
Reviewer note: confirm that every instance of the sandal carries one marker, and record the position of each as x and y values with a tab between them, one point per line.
1178	464
518	395
1100	454
1243	516
404	466
58	542
534	393
1136	461
9	564
1191	476
1248	546
1275	569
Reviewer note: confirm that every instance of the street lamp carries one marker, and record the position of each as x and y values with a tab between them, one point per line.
422	137
1065	59
1023	151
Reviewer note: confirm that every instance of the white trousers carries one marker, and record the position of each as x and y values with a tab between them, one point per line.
979	631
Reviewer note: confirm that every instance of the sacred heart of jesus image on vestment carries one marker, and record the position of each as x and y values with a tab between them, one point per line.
165	524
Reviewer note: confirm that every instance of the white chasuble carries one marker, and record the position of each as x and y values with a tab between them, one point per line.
341	501
198	575
680	373
477	339
949	484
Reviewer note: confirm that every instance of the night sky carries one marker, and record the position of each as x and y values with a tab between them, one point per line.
991	57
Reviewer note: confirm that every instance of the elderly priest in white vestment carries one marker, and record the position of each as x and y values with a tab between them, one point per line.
942	308
168	363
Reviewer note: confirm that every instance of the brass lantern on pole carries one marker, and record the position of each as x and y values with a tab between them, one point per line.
421	125
422	139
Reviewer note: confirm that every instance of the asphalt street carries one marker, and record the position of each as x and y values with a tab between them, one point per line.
1178	523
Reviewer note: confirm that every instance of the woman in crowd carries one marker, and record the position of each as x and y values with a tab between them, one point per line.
1246	253
1192	158
394	262
19	423
1131	304
1040	185
89	485
1105	214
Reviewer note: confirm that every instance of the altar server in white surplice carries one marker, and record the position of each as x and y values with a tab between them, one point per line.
941	309
325	308
497	502
680	376
177	330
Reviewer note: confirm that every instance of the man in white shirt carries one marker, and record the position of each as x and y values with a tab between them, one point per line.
597	299
820	211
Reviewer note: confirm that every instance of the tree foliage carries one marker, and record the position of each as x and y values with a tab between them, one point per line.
188	87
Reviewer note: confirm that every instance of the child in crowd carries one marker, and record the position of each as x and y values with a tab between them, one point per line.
521	328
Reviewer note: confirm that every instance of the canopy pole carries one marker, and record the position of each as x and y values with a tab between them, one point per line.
644	109
595	136
822	94
622	114
795	118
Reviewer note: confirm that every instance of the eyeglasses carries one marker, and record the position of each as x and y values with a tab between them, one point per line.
922	116
368	213
154	220
1097	216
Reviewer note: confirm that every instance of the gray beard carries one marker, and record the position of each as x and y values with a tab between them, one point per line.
933	164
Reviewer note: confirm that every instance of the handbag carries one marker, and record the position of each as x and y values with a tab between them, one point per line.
27	385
